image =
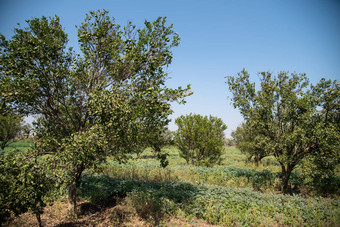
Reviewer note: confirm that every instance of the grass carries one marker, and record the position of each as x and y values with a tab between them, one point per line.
119	213
22	146
234	193
235	171
155	201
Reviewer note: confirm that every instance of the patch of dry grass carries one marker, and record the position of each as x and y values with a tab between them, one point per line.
112	213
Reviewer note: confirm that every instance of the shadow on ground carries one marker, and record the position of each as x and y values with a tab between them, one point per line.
152	201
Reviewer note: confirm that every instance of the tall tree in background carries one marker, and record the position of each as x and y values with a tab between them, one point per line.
104	101
292	120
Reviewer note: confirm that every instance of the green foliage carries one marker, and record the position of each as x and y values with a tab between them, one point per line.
151	204
229	142
110	99
250	143
19	146
217	205
235	172
200	139
321	174
323	167
229	176
152	201
10	126
109	187
288	120
24	183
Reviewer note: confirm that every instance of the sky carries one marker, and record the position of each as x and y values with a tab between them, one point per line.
218	39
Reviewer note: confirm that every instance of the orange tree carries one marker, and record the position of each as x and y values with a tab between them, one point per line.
200	139
103	101
290	120
249	142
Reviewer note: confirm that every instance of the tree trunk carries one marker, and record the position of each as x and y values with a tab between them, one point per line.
257	160
37	215
191	157
72	195
3	145
286	171
72	190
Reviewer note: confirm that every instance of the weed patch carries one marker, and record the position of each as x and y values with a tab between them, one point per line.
156	201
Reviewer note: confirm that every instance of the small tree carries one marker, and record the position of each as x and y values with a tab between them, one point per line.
24	184
200	139
250	143
291	120
26	129
10	127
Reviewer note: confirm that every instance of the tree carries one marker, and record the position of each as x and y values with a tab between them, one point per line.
294	121
322	167
250	143
200	139
157	139
101	102
10	126
24	184
26	130
10	120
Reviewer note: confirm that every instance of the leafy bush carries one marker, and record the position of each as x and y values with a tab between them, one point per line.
93	184
200	139
249	143
10	126
24	184
151	204
242	207
322	174
153	201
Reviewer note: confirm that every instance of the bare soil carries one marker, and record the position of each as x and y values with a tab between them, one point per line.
112	213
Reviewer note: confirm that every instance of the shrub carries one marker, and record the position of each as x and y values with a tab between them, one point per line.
151	205
200	139
24	184
10	126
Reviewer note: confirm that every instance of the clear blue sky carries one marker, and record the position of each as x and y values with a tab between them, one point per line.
219	38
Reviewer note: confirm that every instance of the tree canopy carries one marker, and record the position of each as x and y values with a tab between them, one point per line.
249	142
200	139
105	100
290	119
10	126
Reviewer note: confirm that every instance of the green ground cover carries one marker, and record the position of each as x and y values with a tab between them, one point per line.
235	171
215	204
22	146
236	192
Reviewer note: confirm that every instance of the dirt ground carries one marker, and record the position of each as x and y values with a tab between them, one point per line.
114	213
